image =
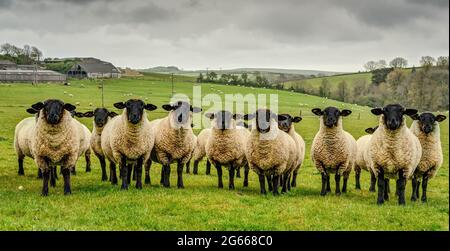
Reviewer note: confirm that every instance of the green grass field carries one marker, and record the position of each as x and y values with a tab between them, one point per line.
333	80
96	205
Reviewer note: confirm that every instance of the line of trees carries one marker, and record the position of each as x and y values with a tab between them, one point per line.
25	55
236	79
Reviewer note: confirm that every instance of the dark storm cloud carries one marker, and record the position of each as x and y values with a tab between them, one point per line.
196	33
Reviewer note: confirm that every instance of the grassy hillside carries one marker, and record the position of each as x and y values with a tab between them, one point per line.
201	205
333	80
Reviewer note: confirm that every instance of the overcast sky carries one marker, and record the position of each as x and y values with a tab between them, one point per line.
193	34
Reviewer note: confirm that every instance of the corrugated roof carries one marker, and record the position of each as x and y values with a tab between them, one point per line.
7	62
96	66
21	71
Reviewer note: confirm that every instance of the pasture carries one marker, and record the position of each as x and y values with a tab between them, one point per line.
97	205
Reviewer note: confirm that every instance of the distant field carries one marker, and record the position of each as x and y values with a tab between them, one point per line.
334	80
96	205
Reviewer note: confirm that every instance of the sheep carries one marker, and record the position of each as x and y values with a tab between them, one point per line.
127	139
225	145
285	123
85	148
23	134
269	151
393	150
426	127
361	159
55	140
174	141
101	118
200	152
333	149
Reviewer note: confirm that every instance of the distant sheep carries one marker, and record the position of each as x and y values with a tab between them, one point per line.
426	127
333	150
394	151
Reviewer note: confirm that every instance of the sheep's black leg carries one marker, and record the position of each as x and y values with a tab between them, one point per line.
166	175
386	189
134	172
246	171
20	171
381	187
269	182
357	179
337	179
53	176
294	179
66	175
195	171
73	170
208	167
39	174
188	167
238	172
148	164
124	173
401	187
344	187
180	175
46	177
275	180
424	187
324	184
231	177
285	182
112	168
328	184
262	183
373	181
103	167
289	182
138	171
87	157
219	175
414	188
418	189
163	170
129	173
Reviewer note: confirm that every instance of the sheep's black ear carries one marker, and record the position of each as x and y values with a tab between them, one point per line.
440	118
415	116
238	116
112	114
370	130
150	107
296	119
345	113
88	114
195	109
317	111
249	116
209	115
377	111
32	111
410	112
38	106
119	105
168	107
69	107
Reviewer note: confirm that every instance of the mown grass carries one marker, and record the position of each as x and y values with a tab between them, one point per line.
201	205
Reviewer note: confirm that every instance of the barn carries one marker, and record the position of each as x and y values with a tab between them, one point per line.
93	68
24	75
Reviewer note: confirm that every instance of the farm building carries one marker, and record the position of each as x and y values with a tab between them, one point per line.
24	75
93	68
6	64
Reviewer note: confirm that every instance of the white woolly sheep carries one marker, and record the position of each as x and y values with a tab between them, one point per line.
269	150
127	139
101	118
361	162
23	134
426	128
285	123
226	145
174	141
56	141
393	150
333	150
200	152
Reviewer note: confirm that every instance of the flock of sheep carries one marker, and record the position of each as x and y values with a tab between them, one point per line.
270	146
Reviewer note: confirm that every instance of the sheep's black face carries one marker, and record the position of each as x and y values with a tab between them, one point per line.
53	110
331	116
263	117
427	121
135	110
393	115
223	119
101	116
182	111
285	121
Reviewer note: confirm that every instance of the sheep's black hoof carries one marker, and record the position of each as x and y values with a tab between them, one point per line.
380	201
413	198
124	187
104	178
276	193
323	193
230	187
147	179
424	199
220	186
67	192
88	169
358	187
245	183
21	173
338	193
401	203
44	193
139	186
372	190
386	197
180	186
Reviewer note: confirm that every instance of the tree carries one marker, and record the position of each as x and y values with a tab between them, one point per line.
381	64
200	78
6	49
36	54
212	76
370	66
244	77
324	89
427	61
379	75
342	91
398	62
442	62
